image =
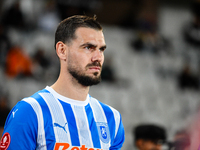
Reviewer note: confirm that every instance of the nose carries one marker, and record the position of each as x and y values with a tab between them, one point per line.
97	56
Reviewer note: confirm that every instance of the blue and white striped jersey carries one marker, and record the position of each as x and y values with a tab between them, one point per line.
50	121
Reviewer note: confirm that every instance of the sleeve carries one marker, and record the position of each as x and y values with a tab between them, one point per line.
120	137
21	128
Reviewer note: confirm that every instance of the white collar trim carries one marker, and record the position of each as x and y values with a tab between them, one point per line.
66	99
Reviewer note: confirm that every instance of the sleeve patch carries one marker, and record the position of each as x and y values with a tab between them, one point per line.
5	141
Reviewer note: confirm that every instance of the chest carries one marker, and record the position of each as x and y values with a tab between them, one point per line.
75	126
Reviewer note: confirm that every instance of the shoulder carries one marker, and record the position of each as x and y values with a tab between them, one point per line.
109	110
22	125
21	112
22	118
26	113
26	108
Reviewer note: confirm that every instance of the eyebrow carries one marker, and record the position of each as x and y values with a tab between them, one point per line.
92	45
88	44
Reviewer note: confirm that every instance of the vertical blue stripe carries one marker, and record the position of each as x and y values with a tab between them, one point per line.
110	120
71	124
93	127
48	126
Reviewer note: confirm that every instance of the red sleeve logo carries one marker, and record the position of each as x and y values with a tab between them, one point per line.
5	141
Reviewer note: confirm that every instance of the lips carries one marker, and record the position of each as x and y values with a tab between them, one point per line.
95	68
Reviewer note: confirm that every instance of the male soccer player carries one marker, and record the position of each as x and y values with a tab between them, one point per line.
64	116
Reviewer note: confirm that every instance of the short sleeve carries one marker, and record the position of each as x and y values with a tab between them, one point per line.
120	137
21	126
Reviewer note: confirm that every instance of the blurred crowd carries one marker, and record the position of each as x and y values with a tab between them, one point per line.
150	40
17	63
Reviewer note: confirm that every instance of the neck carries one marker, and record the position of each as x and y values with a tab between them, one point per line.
69	87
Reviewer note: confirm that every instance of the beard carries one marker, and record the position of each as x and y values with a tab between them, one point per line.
84	79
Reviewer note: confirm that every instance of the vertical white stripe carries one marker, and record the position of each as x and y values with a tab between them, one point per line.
60	124
117	119
99	114
99	117
41	140
82	126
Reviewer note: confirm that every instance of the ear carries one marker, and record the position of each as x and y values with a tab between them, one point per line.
61	50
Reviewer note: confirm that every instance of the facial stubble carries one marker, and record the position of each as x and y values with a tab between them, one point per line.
84	79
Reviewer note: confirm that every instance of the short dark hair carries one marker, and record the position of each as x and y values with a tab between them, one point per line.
66	29
149	132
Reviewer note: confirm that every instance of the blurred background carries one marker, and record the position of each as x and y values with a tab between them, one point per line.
151	72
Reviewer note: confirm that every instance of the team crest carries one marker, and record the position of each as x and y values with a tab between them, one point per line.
103	131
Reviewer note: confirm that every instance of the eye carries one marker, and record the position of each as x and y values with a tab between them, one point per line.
90	47
102	49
